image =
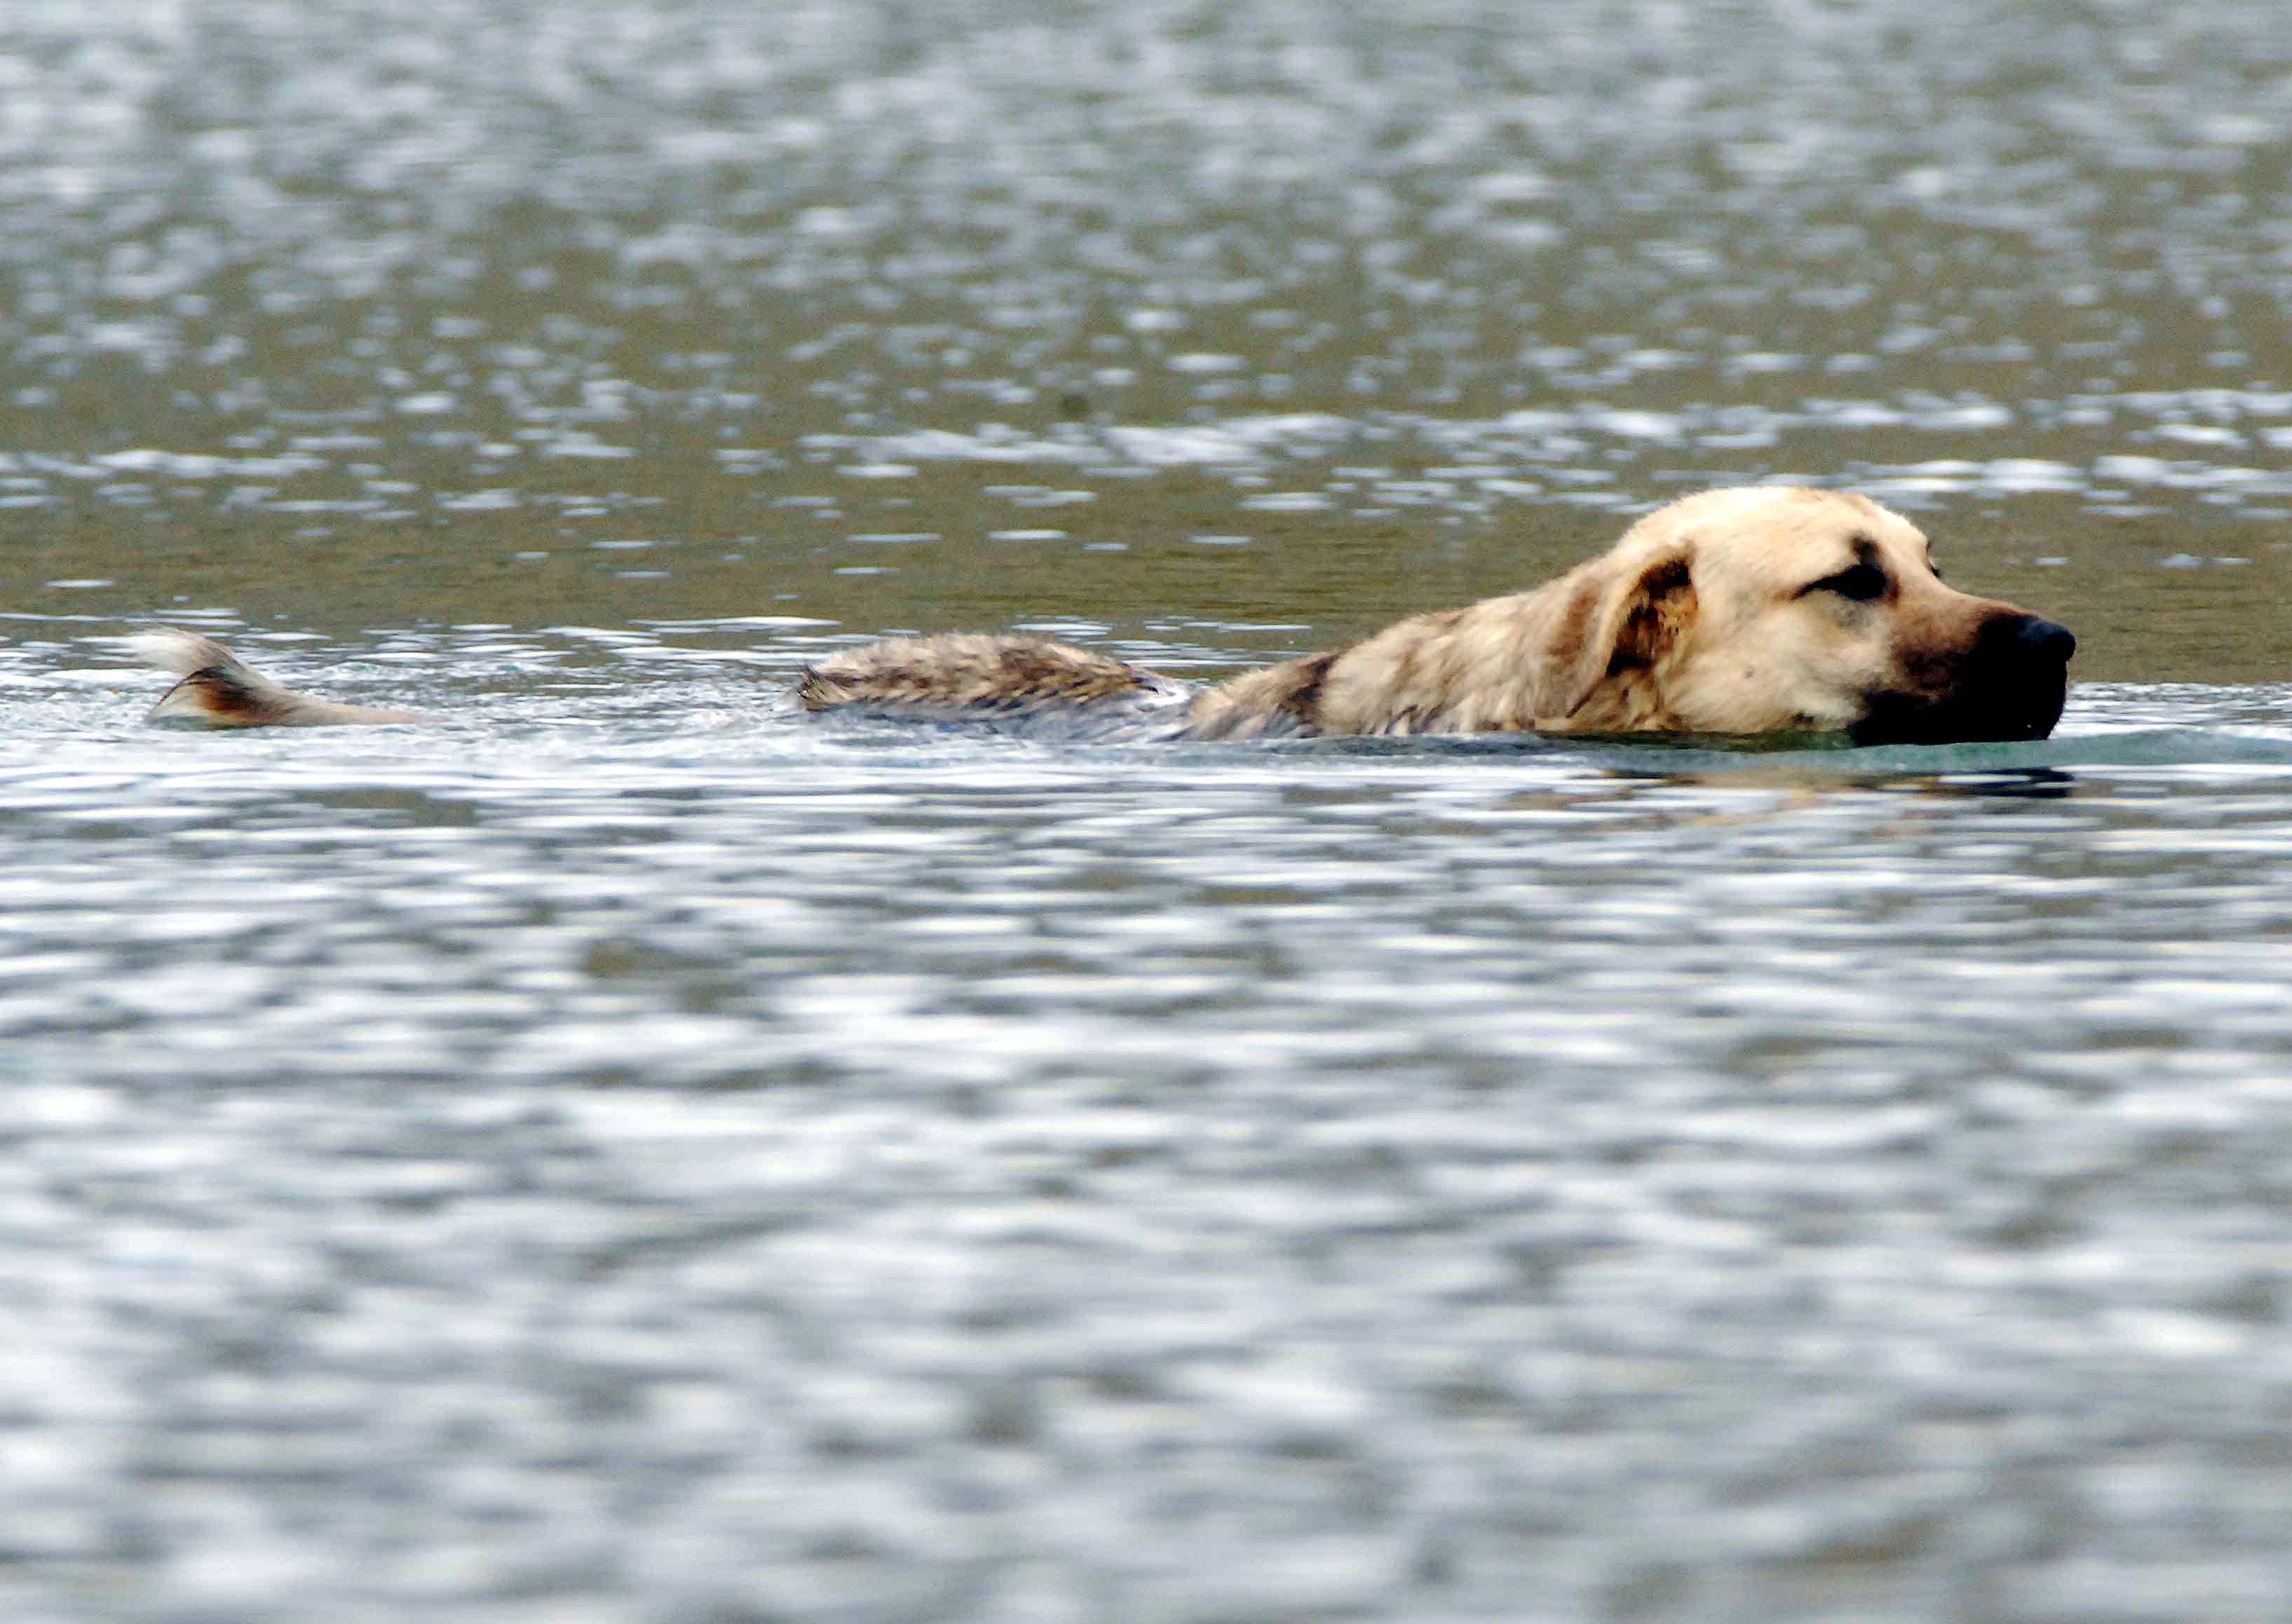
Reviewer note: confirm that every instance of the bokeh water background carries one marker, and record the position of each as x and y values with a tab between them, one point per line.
628	1155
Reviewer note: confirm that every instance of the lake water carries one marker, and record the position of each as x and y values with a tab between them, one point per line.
628	1155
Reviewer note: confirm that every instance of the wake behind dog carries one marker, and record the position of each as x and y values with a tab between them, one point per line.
1743	611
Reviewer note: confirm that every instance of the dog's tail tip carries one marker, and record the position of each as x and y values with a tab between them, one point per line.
171	649
216	688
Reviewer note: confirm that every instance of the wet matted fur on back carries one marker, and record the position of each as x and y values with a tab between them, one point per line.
1760	610
959	672
1033	683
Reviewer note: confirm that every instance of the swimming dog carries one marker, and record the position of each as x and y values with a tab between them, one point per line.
1749	610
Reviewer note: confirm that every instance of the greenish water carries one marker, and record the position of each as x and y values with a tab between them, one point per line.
629	1154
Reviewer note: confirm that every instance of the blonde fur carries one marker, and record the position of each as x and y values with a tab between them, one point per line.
1760	610
1735	611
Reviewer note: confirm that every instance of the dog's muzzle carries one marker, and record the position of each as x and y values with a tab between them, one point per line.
2010	683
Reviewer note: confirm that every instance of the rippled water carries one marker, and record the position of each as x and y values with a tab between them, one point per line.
629	1154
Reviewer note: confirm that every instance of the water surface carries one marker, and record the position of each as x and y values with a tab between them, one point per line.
628	1153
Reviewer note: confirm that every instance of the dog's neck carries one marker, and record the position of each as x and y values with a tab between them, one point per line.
1485	668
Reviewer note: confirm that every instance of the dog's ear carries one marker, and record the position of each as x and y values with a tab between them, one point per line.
1616	622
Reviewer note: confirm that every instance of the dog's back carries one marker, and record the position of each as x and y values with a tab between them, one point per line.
980	677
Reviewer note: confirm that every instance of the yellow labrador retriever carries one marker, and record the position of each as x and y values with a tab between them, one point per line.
1754	610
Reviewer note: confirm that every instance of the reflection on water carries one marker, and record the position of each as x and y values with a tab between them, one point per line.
629	1154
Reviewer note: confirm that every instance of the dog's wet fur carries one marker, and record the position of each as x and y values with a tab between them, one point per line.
1753	611
219	690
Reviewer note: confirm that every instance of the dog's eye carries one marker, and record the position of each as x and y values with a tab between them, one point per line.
1859	584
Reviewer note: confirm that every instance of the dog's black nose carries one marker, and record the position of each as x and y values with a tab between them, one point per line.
2026	641
2046	640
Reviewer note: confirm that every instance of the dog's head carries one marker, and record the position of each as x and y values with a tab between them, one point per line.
1769	609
